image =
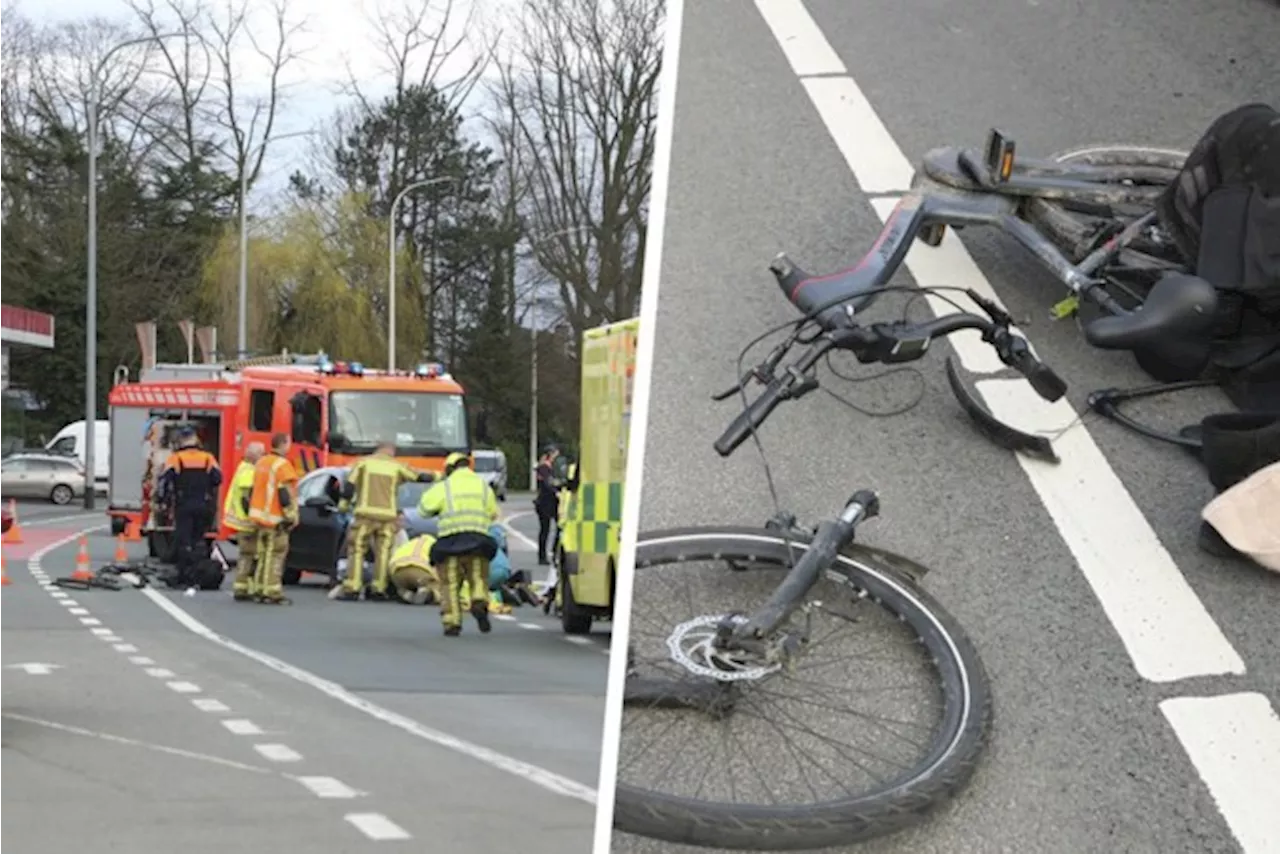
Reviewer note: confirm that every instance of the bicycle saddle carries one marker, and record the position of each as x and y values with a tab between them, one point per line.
1178	305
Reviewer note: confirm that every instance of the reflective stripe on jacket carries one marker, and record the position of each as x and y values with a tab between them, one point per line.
270	474
233	512
463	502
377	481
415	552
191	477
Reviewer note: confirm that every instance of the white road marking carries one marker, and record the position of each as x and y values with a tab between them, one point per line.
125	647
506	617
278	752
579	641
160	672
141	660
104	632
79	612
1234	743
90	621
208	704
519	535
1161	622
376	826
541	777
803	43
531	626
34	668
1166	630
133	742
184	687
240	726
858	132
69	604
328	787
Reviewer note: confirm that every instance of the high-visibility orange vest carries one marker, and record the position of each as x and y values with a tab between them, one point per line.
269	474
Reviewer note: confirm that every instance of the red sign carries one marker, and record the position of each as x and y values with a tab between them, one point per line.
24	326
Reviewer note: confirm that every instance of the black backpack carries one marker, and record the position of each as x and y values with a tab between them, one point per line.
1223	213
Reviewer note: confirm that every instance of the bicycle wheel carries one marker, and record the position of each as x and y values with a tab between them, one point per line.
1145	173
864	589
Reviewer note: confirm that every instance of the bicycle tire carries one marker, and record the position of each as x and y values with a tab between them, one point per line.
903	802
1073	236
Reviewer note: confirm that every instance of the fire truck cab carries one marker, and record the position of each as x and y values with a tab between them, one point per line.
335	412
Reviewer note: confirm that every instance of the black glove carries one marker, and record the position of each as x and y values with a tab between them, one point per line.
426	477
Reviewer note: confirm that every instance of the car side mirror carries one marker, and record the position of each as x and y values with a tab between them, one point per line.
319	502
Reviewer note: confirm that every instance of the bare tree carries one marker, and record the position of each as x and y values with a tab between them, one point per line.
203	69
581	93
416	41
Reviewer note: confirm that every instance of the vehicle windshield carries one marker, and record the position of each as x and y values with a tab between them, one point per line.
410	494
485	463
421	423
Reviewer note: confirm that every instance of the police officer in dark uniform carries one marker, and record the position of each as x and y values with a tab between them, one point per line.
189	484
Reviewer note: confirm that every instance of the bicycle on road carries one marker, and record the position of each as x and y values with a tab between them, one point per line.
725	666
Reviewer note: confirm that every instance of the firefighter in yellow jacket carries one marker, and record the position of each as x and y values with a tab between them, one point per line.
273	510
235	514
374	482
415	580
465	506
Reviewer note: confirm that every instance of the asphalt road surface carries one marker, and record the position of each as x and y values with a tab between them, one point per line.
168	722
1081	585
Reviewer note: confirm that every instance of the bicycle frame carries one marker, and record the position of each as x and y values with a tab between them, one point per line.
926	211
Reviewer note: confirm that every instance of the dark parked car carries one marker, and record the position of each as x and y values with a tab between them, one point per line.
321	536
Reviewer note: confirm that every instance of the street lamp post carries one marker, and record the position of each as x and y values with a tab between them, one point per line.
533	363
242	323
533	398
91	290
391	263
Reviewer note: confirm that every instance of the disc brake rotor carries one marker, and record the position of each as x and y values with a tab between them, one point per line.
692	646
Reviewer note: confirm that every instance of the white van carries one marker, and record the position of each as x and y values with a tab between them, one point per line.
70	442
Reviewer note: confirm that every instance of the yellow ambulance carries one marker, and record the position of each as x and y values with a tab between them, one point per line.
592	514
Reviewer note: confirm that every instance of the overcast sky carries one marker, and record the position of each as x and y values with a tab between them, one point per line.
338	34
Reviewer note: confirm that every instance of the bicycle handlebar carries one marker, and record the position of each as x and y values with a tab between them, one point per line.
889	343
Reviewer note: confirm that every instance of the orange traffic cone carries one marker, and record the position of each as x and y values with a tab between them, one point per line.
133	532
122	553
5	580
82	571
13	536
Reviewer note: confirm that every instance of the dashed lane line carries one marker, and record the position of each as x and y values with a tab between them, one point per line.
374	826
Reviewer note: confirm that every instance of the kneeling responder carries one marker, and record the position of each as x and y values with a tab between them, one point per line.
190	483
273	510
235	513
415	580
375	483
465	506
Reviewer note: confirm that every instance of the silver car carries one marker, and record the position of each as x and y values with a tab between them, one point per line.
56	478
492	466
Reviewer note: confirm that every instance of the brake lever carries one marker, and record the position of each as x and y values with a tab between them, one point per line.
762	373
998	315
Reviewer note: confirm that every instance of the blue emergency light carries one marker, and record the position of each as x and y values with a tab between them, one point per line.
355	369
324	365
428	370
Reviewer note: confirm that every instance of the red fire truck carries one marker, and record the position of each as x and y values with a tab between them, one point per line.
334	411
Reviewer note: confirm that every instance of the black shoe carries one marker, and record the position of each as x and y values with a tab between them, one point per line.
243	597
480	610
275	600
452	631
1211	542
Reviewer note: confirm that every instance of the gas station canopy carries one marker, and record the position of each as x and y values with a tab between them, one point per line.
24	326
